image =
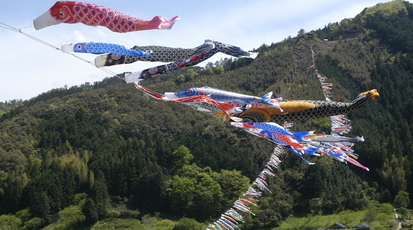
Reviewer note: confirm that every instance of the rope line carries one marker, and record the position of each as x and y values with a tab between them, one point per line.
8	27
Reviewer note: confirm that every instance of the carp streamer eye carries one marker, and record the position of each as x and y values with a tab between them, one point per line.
79	47
62	13
190	91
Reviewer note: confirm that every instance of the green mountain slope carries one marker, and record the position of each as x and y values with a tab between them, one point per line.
106	150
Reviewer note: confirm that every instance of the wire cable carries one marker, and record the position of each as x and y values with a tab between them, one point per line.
8	27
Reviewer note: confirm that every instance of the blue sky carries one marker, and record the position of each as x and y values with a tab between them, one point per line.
29	68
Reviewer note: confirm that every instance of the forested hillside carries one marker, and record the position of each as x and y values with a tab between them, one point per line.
104	151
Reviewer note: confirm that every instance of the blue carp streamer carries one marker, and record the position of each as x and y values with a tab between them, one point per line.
101	48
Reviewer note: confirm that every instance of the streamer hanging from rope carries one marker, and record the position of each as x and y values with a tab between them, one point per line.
302	143
220	103
159	54
95	15
201	102
100	48
194	60
281	136
301	110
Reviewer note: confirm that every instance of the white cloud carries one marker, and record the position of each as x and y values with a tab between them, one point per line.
79	36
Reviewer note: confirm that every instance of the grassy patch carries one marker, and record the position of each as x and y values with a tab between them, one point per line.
115	223
347	218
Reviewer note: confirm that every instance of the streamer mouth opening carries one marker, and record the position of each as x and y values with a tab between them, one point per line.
171	95
67	47
100	61
45	20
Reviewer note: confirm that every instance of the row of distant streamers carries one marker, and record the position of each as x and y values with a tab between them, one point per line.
340	124
232	217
